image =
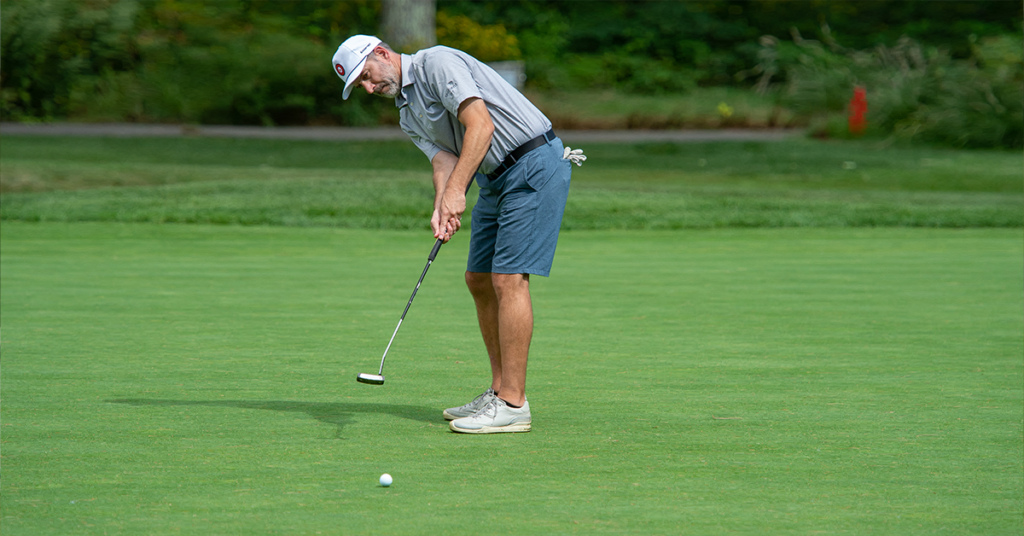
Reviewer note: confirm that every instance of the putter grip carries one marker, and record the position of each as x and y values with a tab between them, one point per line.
433	252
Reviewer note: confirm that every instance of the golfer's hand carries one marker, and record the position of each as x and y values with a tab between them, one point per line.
435	224
447	218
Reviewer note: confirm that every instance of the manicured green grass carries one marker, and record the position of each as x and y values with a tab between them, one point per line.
795	183
200	380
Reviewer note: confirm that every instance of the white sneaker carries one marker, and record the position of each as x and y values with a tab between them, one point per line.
469	409
495	417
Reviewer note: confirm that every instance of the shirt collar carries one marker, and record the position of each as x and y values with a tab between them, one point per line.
407	79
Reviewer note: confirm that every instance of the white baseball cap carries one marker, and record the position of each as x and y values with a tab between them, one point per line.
350	57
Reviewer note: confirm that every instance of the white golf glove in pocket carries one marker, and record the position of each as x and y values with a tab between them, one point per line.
575	156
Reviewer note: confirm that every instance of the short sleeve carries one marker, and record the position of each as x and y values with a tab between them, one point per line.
426	146
453	80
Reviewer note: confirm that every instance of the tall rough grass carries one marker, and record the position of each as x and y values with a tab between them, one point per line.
913	92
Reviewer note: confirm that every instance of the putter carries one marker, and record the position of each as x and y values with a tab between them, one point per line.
378	378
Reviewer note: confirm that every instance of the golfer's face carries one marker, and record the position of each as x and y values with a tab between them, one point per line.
379	78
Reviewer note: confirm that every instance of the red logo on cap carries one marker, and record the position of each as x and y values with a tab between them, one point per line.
340	69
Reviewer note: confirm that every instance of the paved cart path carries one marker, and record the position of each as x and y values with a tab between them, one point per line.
376	133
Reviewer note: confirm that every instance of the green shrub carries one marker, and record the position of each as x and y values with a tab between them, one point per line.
486	43
913	92
230	74
180	61
47	44
264	62
632	73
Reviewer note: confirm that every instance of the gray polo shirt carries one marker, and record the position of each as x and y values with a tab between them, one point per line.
435	81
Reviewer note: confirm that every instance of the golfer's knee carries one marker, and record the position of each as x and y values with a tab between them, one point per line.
479	283
510	284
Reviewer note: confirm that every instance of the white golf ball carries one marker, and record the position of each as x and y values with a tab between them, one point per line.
385	480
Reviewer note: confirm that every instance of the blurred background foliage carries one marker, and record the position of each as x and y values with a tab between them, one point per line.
947	72
486	43
916	91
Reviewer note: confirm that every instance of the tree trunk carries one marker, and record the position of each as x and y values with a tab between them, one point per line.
409	25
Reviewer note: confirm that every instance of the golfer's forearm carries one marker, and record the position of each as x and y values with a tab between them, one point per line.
477	141
474	149
443	164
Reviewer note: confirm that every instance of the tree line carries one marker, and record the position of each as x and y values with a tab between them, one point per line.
265	61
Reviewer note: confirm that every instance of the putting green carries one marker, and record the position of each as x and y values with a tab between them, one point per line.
164	379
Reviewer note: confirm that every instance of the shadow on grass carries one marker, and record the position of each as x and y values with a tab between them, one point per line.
338	413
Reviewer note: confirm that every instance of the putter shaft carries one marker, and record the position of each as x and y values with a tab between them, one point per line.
430	260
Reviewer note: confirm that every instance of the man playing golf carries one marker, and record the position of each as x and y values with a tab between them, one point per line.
471	123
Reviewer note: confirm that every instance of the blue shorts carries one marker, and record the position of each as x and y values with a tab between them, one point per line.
517	217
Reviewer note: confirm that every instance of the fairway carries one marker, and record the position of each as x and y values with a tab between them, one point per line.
172	379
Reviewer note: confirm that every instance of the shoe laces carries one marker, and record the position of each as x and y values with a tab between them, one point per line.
477	399
489	410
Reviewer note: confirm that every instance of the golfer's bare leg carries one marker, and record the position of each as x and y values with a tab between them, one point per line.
515	330
482	288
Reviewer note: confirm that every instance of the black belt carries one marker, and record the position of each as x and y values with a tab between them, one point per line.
519	152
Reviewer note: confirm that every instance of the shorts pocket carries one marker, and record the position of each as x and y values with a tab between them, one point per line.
541	168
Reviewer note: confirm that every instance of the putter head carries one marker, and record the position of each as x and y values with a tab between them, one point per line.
373	379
